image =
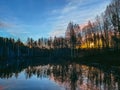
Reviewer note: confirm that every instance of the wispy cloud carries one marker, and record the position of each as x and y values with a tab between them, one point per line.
68	9
13	28
33	23
57	33
5	25
78	11
17	32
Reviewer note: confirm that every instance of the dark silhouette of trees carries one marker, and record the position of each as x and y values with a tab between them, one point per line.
101	34
71	37
104	32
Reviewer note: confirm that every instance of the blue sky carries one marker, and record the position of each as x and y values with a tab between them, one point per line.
45	18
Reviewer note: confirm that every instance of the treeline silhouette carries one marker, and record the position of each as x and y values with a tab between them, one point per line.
98	36
104	31
9	48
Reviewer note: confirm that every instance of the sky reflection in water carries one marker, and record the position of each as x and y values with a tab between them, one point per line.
60	77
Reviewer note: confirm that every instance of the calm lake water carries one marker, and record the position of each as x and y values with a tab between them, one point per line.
59	77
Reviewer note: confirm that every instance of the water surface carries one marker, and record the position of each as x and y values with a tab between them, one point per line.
59	77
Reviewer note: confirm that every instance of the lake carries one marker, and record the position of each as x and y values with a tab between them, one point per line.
72	76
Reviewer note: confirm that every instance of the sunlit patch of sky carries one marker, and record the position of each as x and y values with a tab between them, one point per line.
45	18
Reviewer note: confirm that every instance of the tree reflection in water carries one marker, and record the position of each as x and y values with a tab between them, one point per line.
72	77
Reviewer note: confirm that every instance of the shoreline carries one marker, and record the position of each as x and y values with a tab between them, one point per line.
107	58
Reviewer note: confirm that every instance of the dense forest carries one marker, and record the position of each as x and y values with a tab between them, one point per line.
102	34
